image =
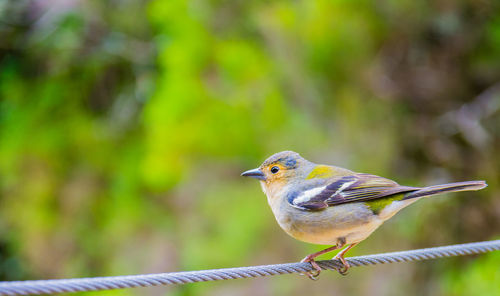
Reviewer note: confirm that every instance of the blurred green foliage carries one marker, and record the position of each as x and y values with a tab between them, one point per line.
124	126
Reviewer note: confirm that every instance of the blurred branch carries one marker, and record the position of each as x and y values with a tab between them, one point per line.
467	119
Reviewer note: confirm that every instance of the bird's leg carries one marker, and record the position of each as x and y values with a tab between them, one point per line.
340	256
310	259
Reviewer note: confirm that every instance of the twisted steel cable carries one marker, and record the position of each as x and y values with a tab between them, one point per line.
175	278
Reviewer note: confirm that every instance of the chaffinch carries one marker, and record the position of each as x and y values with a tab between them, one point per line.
328	205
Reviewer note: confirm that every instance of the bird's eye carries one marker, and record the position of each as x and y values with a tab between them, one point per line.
275	169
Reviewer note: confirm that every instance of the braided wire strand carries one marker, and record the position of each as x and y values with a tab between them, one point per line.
37	287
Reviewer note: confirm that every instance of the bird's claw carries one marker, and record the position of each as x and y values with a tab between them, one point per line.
343	270
313	274
345	266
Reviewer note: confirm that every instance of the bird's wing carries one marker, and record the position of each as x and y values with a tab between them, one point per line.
351	188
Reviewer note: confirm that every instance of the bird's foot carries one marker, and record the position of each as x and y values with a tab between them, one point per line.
343	270
313	274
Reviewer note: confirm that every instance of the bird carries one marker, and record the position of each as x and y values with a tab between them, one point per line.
330	205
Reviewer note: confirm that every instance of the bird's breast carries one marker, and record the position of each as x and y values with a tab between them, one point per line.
351	221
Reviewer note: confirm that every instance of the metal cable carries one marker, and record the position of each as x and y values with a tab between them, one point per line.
176	278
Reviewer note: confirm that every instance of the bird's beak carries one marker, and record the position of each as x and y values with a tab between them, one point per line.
255	173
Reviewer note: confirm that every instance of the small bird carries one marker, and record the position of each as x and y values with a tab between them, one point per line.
329	205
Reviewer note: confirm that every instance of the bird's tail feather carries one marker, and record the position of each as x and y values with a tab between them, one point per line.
444	188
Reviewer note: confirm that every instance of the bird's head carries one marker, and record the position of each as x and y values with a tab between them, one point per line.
281	169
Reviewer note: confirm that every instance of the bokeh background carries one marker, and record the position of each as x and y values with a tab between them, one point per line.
124	126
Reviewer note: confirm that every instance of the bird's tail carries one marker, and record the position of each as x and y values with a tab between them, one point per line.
444	188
